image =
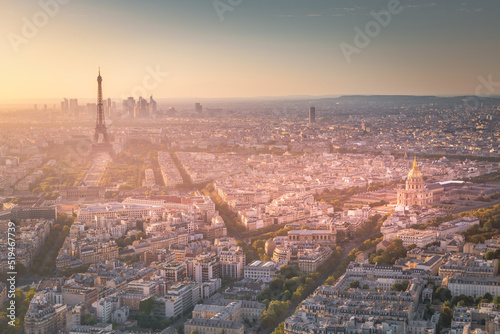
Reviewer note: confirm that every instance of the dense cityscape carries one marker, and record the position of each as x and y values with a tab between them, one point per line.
268	183
231	222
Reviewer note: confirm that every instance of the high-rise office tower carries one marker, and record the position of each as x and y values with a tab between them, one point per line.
198	107
64	105
152	106
141	108
73	107
312	114
108	107
128	107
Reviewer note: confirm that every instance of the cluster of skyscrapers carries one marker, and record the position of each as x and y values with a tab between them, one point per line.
71	107
140	109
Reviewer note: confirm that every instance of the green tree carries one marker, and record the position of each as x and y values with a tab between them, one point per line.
289	271
352	253
280	329
489	255
287	295
446	315
488	226
354	284
140	236
443	294
259	244
467	300
267	293
488	297
296	297
276	284
145	306
330	280
397	287
292	284
393	252
275	311
89	319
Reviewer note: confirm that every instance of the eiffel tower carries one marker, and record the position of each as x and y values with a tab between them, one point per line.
101	143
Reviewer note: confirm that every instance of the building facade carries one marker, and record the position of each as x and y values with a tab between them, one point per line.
415	192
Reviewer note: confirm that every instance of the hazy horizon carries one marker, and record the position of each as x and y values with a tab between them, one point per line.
28	103
254	49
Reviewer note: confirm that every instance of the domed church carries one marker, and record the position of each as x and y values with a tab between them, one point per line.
415	192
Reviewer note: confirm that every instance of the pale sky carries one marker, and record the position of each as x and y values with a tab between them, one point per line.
260	48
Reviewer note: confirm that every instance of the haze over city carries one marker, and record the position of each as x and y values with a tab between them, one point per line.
249	167
259	48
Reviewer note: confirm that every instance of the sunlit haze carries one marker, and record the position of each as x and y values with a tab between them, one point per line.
259	48
249	166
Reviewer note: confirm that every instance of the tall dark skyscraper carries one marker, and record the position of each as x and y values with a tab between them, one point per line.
128	107
312	114
153	106
198	107
101	141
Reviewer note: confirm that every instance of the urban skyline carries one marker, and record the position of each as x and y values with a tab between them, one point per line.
275	49
250	167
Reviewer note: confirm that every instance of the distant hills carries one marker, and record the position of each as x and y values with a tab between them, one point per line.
415	99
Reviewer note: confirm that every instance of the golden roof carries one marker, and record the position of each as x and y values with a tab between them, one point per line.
415	173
